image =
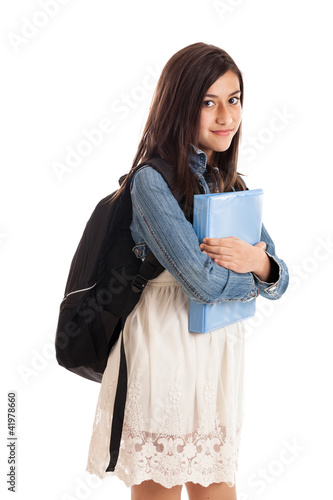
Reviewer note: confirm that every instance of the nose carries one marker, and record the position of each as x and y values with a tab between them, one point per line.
223	116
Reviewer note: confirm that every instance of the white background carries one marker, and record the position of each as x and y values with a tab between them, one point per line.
62	74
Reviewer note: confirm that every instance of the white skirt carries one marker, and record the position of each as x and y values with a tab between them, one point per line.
184	407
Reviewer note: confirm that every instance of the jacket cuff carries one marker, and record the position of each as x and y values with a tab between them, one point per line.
270	290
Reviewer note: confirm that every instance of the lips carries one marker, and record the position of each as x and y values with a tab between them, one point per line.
222	131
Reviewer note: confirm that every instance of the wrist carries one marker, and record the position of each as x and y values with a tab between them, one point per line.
263	265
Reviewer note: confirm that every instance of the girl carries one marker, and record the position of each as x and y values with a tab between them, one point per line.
184	407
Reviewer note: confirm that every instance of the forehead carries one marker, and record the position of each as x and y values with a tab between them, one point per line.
226	84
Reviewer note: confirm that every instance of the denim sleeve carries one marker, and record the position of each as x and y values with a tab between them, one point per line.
280	271
172	239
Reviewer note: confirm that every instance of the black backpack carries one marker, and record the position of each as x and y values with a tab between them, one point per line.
104	284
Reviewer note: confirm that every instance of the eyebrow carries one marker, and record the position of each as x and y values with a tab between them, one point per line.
213	95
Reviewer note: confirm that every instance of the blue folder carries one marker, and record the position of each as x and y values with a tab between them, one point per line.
218	215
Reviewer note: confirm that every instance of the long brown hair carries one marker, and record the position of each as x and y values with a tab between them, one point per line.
174	118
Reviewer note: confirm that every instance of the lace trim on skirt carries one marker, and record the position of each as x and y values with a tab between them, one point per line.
207	455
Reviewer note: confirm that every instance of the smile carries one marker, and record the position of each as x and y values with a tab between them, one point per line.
222	132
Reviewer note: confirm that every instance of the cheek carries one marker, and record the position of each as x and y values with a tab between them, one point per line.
238	115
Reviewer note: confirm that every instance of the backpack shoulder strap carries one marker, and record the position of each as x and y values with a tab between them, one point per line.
149	269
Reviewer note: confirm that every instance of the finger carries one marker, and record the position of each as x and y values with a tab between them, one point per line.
261	244
217	248
232	266
228	241
219	254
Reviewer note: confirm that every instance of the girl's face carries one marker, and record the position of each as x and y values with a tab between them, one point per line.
221	114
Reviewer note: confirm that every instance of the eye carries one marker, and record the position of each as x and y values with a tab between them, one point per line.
206	103
236	99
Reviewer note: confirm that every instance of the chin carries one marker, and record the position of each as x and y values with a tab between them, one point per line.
224	147
222	150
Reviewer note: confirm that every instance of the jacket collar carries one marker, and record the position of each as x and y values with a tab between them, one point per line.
198	164
198	160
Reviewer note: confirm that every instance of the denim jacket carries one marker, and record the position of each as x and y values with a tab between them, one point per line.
159	224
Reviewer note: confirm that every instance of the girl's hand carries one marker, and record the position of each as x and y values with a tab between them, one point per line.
238	256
